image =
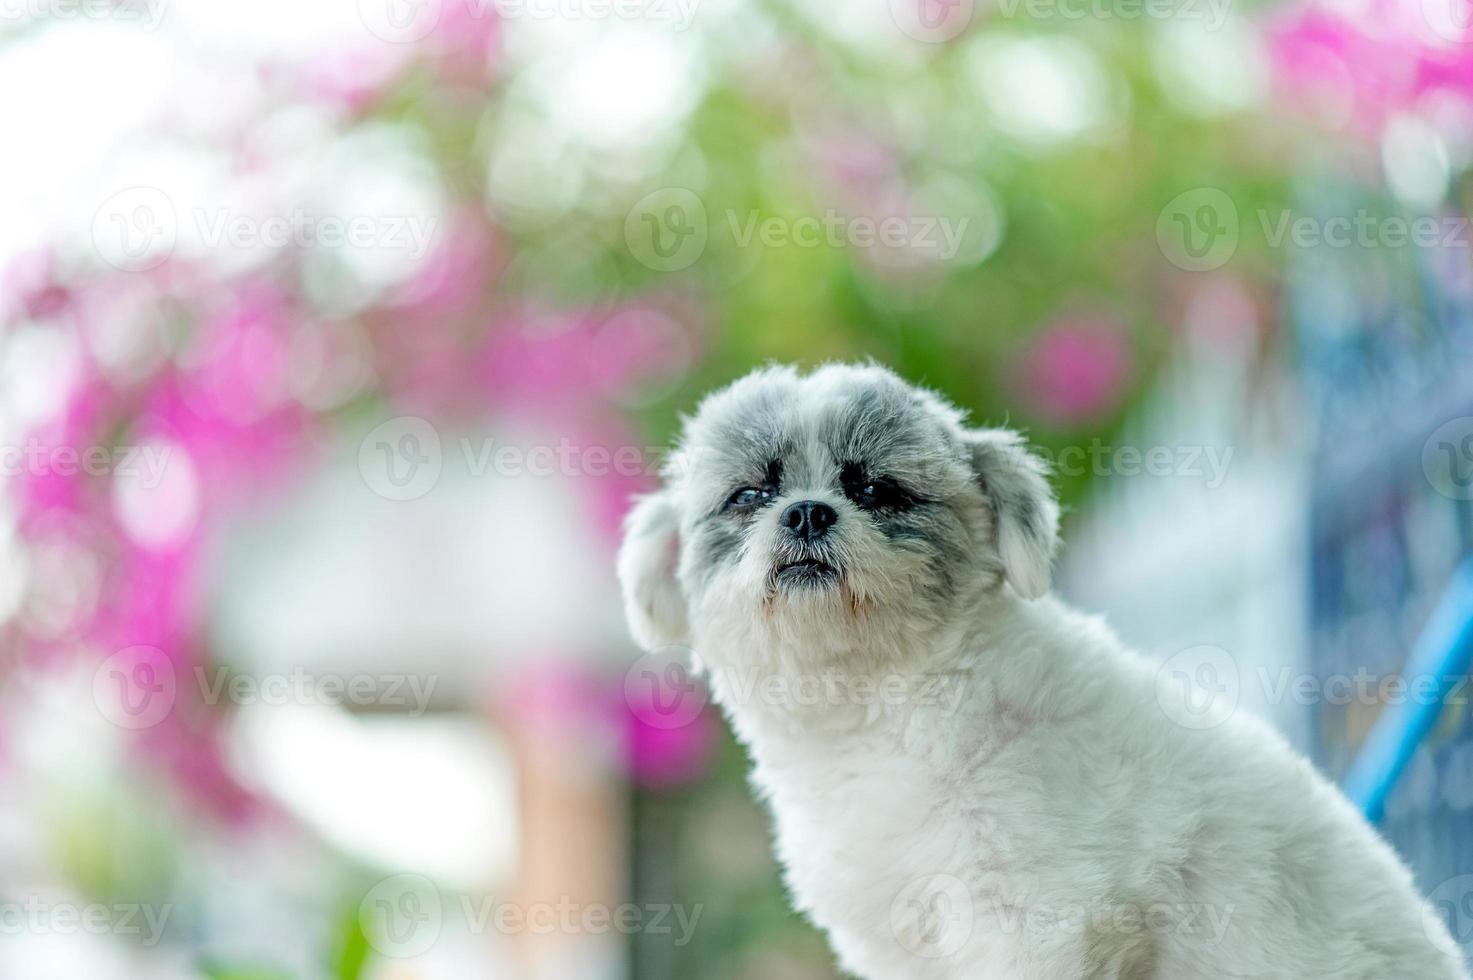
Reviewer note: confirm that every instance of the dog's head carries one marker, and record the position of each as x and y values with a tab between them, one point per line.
829	510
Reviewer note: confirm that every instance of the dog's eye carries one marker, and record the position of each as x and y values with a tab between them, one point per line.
881	493
749	497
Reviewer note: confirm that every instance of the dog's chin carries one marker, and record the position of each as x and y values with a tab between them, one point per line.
808	573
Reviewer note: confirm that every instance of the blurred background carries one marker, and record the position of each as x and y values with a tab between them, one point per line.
335	337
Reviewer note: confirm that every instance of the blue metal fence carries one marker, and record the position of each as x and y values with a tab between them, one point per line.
1385	340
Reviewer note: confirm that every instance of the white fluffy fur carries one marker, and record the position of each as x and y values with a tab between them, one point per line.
1025	807
647	571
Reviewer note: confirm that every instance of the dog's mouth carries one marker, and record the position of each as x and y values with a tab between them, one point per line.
807	572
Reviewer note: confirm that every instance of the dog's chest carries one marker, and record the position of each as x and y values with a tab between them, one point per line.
859	827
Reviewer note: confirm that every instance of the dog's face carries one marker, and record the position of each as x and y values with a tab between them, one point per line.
832	511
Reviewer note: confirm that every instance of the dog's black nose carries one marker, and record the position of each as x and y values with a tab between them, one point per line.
809	519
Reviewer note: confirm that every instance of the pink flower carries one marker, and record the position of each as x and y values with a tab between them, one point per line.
1356	67
664	748
1076	370
29	286
464	266
662	757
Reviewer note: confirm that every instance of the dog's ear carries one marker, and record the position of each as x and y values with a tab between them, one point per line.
653	603
1026	515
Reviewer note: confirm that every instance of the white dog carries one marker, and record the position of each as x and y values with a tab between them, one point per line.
969	779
